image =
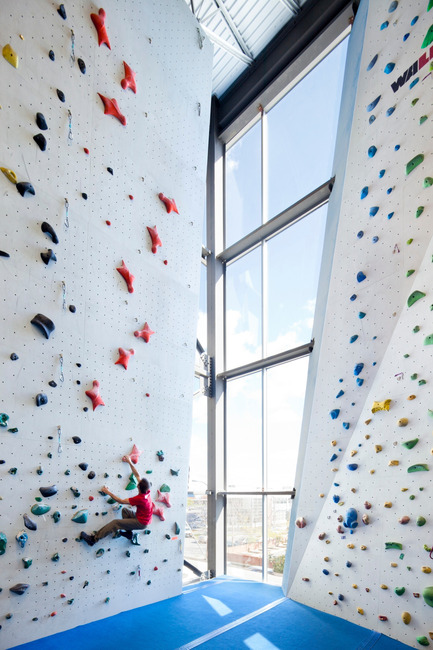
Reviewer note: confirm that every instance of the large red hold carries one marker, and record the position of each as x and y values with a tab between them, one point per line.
99	21
164	497
145	333
155	238
95	396
129	79
170	204
127	276
158	512
111	107
124	356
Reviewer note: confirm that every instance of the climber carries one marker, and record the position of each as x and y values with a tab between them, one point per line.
130	520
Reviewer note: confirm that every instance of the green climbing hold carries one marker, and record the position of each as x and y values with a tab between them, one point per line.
132	483
111	501
176	528
422	382
419	467
80	517
56	516
128	553
40	509
164	488
410	444
14	430
406	356
3	543
27	561
417	160
428	340
4	419
428	38
107	600
420	521
100	552
422	119
75	492
414	376
419	211
399	591
416	329
167	536
13	471
427	594
409	241
414	101
55	557
38	499
428	181
422	640
389	545
149	471
414	296
430	5
410	272
70	601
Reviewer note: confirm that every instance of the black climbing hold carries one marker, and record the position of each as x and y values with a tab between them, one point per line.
50	437
3	254
64	540
78	365
84	195
19	588
72	309
78	382
52	383
41	399
14	357
76	440
49	491
2	462
49	230
83	466
40	141
91	475
52	55
41	122
48	256
45	325
62	11
28	523
25	188
109	169
85	409
61	95
81	65
71	577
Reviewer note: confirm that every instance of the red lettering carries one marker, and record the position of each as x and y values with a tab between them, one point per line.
423	60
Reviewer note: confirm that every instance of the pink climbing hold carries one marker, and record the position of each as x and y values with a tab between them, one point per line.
170	204
135	454
145	333
127	276
163	497
99	21
155	238
95	396
129	79
111	107
158	512
124	356
300	522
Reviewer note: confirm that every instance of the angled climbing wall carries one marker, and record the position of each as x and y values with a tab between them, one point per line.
120	148
364	553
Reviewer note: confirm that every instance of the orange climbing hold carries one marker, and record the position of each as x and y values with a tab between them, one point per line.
99	21
129	79
170	204
111	107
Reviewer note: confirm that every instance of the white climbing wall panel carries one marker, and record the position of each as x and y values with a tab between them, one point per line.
350	573
162	148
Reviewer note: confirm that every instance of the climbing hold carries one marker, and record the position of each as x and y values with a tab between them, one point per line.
52	384
358	369
99	21
420	521
353	338
95	396
360	235
55	557
402	422
428	340
334	413
393	463
40	141
124	356
364	192
371	119
372	151
419	467
360	276
40	509
404	520
414	296
422	640
389	68
428	181
48	491
393	545
381	617
80	517
373	104
51	55
373	211
387	504
426	569
10	55
158	512
427	594
56	516
384	25
339	394
419	211
22	538
129	80
375	239
45	325
3	543
41	399
365	519
28	523
83	466
62	11
360	610
352	467
399	591
372	62
132	483
49	230
350	520
381	406
155	238
426	42
91	475
61	95
27	561
170	204
410	272
4	417
422	119
82	66
127	276
19	588
25	188
174	472
164	497
413	83
111	107
414	162
393	6
353	297
145	333
48	256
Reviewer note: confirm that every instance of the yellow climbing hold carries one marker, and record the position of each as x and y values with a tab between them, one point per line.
360	610
404	489
351	546
10	55
393	463
377	448
367	436
353	490
411	397
393	564
353	452
326	559
381	406
355	586
368	421
21	37
384	586
10	175
321	495
425	569
387	504
372	471
363	548
334	443
406	618
403	422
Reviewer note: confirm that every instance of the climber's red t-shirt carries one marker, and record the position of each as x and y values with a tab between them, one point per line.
144	506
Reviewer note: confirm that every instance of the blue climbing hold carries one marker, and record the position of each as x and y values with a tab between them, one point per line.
326	572
340	380
360	276
361	315
340	597
397	147
374	210
389	190
372	151
381	173
346	425
364	192
350	520
390	215
336	498
348	564
333	457
375	239
360	235
358	369
406	36
334	413
359	381
337	484
393	6
372	62
352	467
414	20
390	111
384	25
353	338
371	119
353	297
389	67
373	104
413	83
339	394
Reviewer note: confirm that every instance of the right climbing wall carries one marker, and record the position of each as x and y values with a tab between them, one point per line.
362	550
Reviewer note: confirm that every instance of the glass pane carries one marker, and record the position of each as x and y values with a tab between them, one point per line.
285	392
202	310
244	433
301	131
294	258
278	516
243	310
244	537
243	186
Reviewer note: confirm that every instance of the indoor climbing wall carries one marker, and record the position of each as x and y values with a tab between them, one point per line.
365	521
104	124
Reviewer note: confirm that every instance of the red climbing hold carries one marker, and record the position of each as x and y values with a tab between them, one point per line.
166	262
99	21
108	223
53	614
62	595
163	497
158	512
95	396
145	333
124	356
91	498
86	150
111	107
155	568
147	394
155	238
131	197
127	276
129	80
135	454
170	204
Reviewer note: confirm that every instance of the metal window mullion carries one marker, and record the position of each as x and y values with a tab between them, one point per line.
264	280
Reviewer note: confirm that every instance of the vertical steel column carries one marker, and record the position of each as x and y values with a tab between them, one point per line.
215	334
264	275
